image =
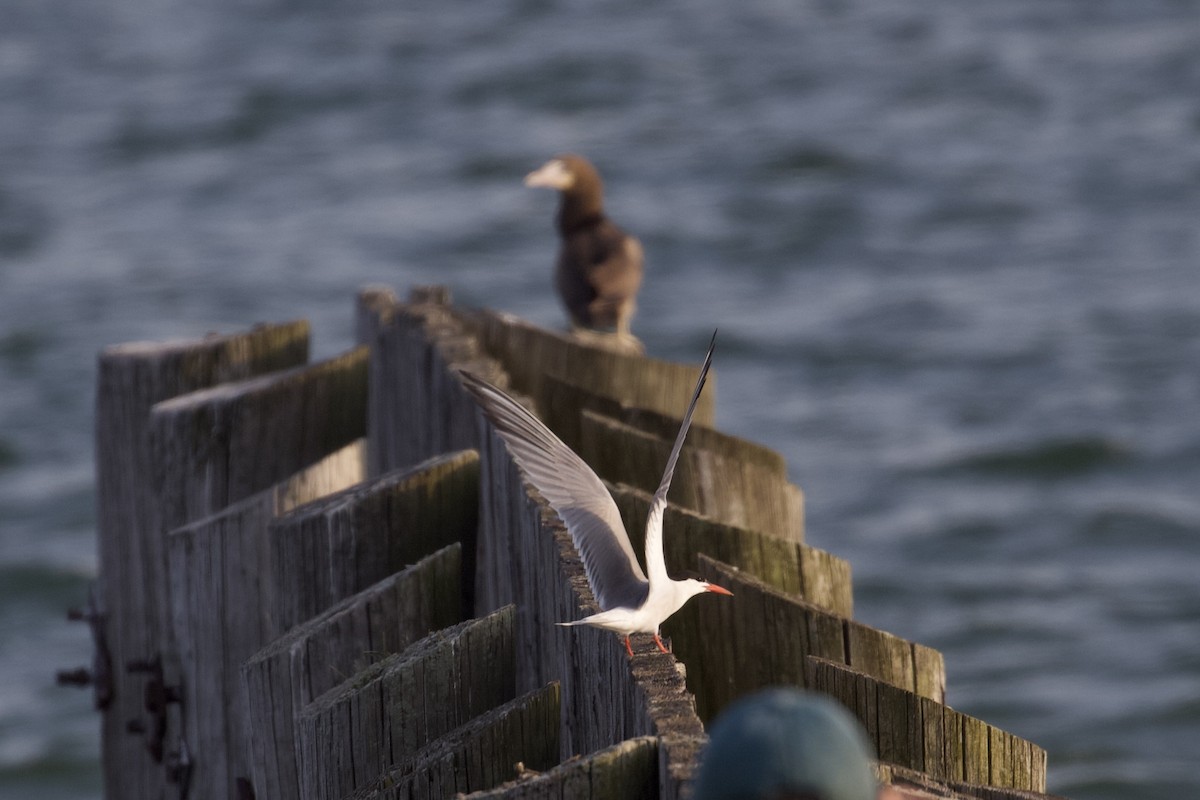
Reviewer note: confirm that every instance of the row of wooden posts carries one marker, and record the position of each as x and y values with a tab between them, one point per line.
330	580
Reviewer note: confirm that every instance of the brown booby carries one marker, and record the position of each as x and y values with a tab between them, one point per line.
599	265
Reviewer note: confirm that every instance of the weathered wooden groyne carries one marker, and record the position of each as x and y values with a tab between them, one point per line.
330	581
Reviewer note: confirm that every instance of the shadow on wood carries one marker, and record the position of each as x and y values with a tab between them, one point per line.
318	655
384	715
625	771
334	547
480	754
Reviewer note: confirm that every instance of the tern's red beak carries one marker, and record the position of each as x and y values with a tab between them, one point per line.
712	587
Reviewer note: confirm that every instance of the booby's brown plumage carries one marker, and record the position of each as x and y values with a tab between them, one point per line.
599	265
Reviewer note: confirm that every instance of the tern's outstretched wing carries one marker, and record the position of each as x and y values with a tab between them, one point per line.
574	491
655	561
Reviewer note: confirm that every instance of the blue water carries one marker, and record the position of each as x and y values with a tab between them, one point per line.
952	248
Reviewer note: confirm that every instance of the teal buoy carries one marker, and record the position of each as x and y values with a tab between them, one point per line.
782	743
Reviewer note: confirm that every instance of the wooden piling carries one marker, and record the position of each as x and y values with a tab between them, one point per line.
480	754
627	770
316	656
766	635
221	615
525	556
338	545
131	378
551	370
923	735
417	409
216	446
530	353
320	615
384	715
563	403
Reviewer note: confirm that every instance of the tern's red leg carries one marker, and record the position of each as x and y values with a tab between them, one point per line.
658	642
628	649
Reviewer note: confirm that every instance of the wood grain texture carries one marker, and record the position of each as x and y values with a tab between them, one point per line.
481	754
330	549
562	404
529	352
384	715
417	408
130	379
314	657
216	446
914	784
625	771
923	735
763	636
216	568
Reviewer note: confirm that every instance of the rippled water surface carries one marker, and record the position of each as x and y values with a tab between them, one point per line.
952	248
